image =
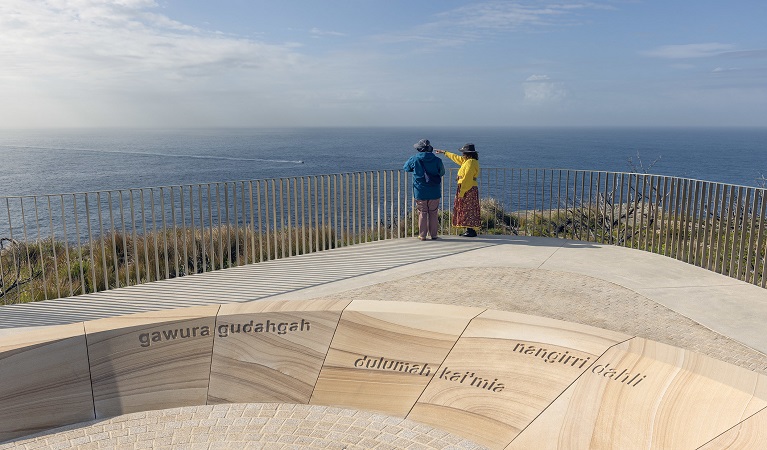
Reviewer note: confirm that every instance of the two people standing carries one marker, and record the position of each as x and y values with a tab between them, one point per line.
466	212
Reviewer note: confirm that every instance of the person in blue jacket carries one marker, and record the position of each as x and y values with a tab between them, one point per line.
427	171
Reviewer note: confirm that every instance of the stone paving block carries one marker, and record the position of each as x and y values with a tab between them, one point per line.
152	360
45	380
271	351
383	354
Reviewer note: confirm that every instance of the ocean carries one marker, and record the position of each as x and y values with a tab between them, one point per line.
35	162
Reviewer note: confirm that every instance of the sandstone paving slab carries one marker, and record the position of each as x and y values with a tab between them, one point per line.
271	351
384	354
44	380
504	371
747	435
152	360
647	395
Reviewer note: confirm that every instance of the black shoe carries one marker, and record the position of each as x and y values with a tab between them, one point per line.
469	233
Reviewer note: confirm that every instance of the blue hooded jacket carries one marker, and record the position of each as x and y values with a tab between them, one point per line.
433	164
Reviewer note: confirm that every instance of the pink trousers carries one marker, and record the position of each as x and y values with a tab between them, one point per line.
428	221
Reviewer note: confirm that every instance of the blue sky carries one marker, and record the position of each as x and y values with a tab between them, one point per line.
192	63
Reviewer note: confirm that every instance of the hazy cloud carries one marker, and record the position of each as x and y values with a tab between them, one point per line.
125	40
686	51
316	32
541	89
476	20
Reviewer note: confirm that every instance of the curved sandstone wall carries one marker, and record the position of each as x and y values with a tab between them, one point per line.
502	379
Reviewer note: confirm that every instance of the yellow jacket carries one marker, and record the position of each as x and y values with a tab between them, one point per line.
467	174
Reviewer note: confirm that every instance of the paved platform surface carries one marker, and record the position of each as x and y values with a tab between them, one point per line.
248	426
615	288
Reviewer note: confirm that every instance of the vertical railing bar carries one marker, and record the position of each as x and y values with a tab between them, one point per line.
242	253
164	231
763	247
660	213
40	248
228	227
66	245
27	245
193	230
203	244
721	195
590	209
79	243
175	231
154	234
559	202
686	220
274	218
635	211
316	203
551	196
614	236
580	209
707	228
314	229
383	204
303	216
290	204
695	240
378	201
2	270
371	199
676	219
750	274
400	220
184	241
146	244
322	209
296	221
655	208
337	211
252	225
735	229
26	248
289	229
729	208
53	246
114	238
345	231
233	226
244	227
331	213
136	259
212	239
603	213
90	242
623	237
759	238
355	197
362	210
743	230
263	233
643	228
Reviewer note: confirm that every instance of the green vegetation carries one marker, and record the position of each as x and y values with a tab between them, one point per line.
35	271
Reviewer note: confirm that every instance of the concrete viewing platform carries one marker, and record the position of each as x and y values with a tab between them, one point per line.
630	294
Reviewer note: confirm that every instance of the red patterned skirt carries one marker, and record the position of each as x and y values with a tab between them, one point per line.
466	209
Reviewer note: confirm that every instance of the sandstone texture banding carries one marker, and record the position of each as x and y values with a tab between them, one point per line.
505	380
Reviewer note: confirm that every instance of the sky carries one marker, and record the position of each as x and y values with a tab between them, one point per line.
290	63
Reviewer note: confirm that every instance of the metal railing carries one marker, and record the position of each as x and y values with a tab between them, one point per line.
69	244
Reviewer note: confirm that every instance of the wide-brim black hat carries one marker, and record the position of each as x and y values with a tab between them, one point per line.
468	148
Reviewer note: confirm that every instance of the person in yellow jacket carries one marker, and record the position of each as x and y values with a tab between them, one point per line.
466	204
